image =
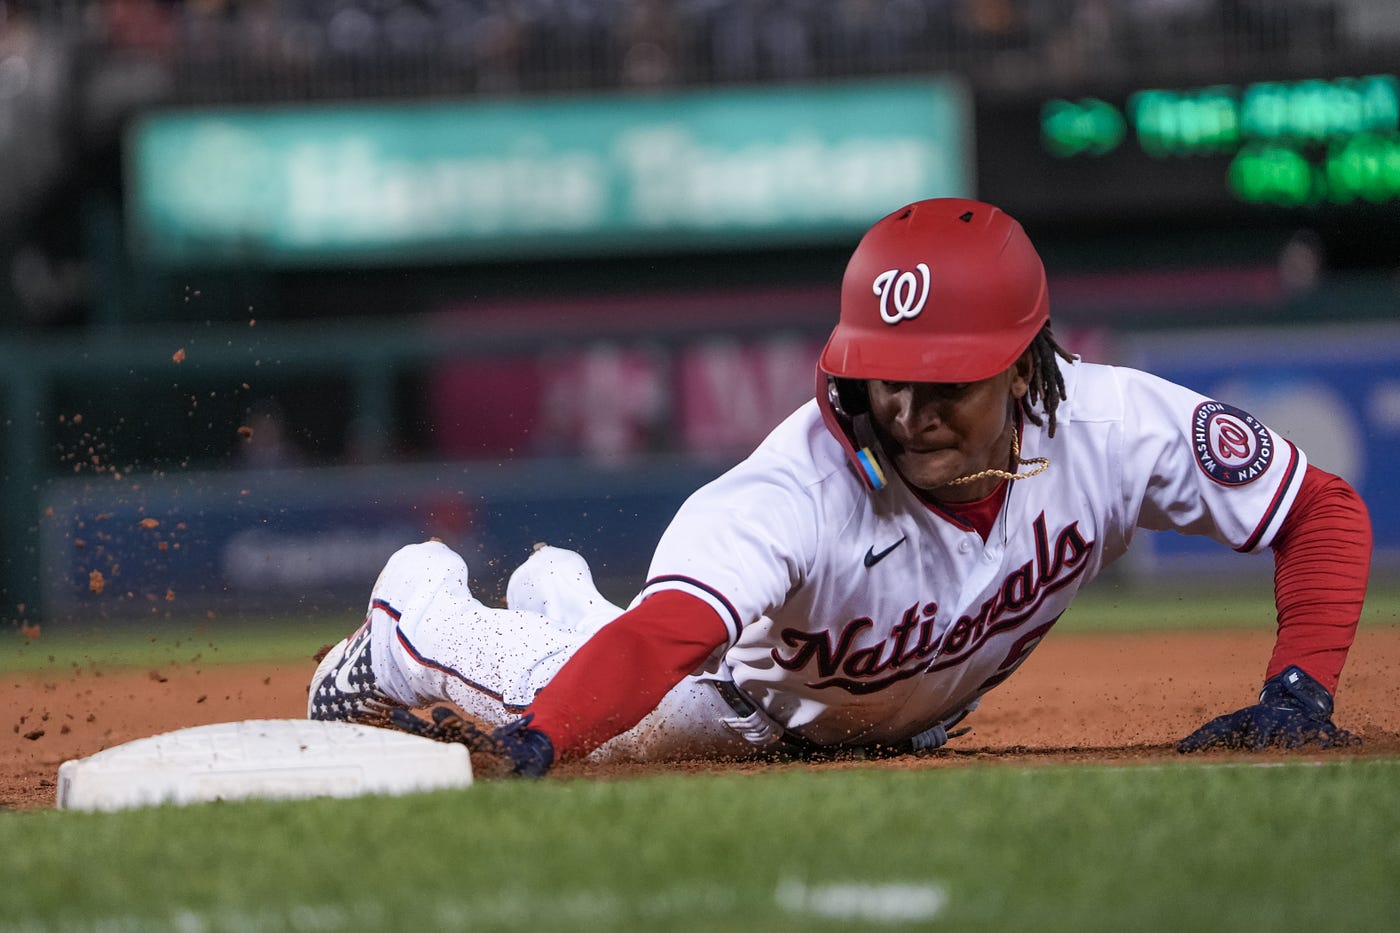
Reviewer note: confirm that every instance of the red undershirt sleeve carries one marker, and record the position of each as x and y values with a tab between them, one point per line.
622	672
1322	561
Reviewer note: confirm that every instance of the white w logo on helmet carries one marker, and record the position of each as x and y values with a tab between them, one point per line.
903	291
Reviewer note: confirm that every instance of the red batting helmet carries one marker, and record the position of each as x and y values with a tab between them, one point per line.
944	290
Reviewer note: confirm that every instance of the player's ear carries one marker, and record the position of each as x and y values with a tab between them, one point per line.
1021	373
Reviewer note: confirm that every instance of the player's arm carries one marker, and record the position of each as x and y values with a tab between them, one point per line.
1322	560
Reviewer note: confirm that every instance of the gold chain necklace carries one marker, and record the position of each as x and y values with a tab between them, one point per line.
1043	465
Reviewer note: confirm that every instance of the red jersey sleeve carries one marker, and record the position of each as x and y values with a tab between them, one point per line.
622	672
1322	562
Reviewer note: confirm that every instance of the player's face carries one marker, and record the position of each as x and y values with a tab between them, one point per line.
936	432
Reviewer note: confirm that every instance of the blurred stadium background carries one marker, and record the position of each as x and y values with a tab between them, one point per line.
285	284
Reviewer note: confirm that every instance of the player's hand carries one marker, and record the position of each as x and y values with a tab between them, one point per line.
527	752
1293	710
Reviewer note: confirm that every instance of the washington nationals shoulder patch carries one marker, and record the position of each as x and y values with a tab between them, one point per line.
1231	446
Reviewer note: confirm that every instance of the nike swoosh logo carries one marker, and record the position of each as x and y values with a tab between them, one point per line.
871	558
352	657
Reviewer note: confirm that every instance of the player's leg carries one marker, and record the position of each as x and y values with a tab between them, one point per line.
427	640
557	583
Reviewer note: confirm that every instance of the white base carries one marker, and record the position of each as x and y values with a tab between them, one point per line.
260	758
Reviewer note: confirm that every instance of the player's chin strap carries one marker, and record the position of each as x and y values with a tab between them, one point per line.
851	429
864	456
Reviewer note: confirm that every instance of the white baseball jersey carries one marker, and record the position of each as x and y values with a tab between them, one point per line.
858	617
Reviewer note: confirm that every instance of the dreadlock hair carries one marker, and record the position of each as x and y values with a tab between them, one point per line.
1047	384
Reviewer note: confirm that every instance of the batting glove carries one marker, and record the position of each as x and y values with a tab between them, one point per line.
1293	710
528	751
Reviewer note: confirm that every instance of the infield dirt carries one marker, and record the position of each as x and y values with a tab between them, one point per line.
1082	698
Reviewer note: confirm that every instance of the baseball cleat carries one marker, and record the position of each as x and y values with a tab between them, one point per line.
344	688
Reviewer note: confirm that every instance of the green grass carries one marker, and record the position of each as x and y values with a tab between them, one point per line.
1105	606
1180	847
153	644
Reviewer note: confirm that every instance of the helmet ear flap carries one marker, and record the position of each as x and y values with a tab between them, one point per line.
845	407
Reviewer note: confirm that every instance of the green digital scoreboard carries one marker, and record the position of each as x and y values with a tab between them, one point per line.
1324	146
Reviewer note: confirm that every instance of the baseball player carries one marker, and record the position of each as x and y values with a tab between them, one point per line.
894	549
